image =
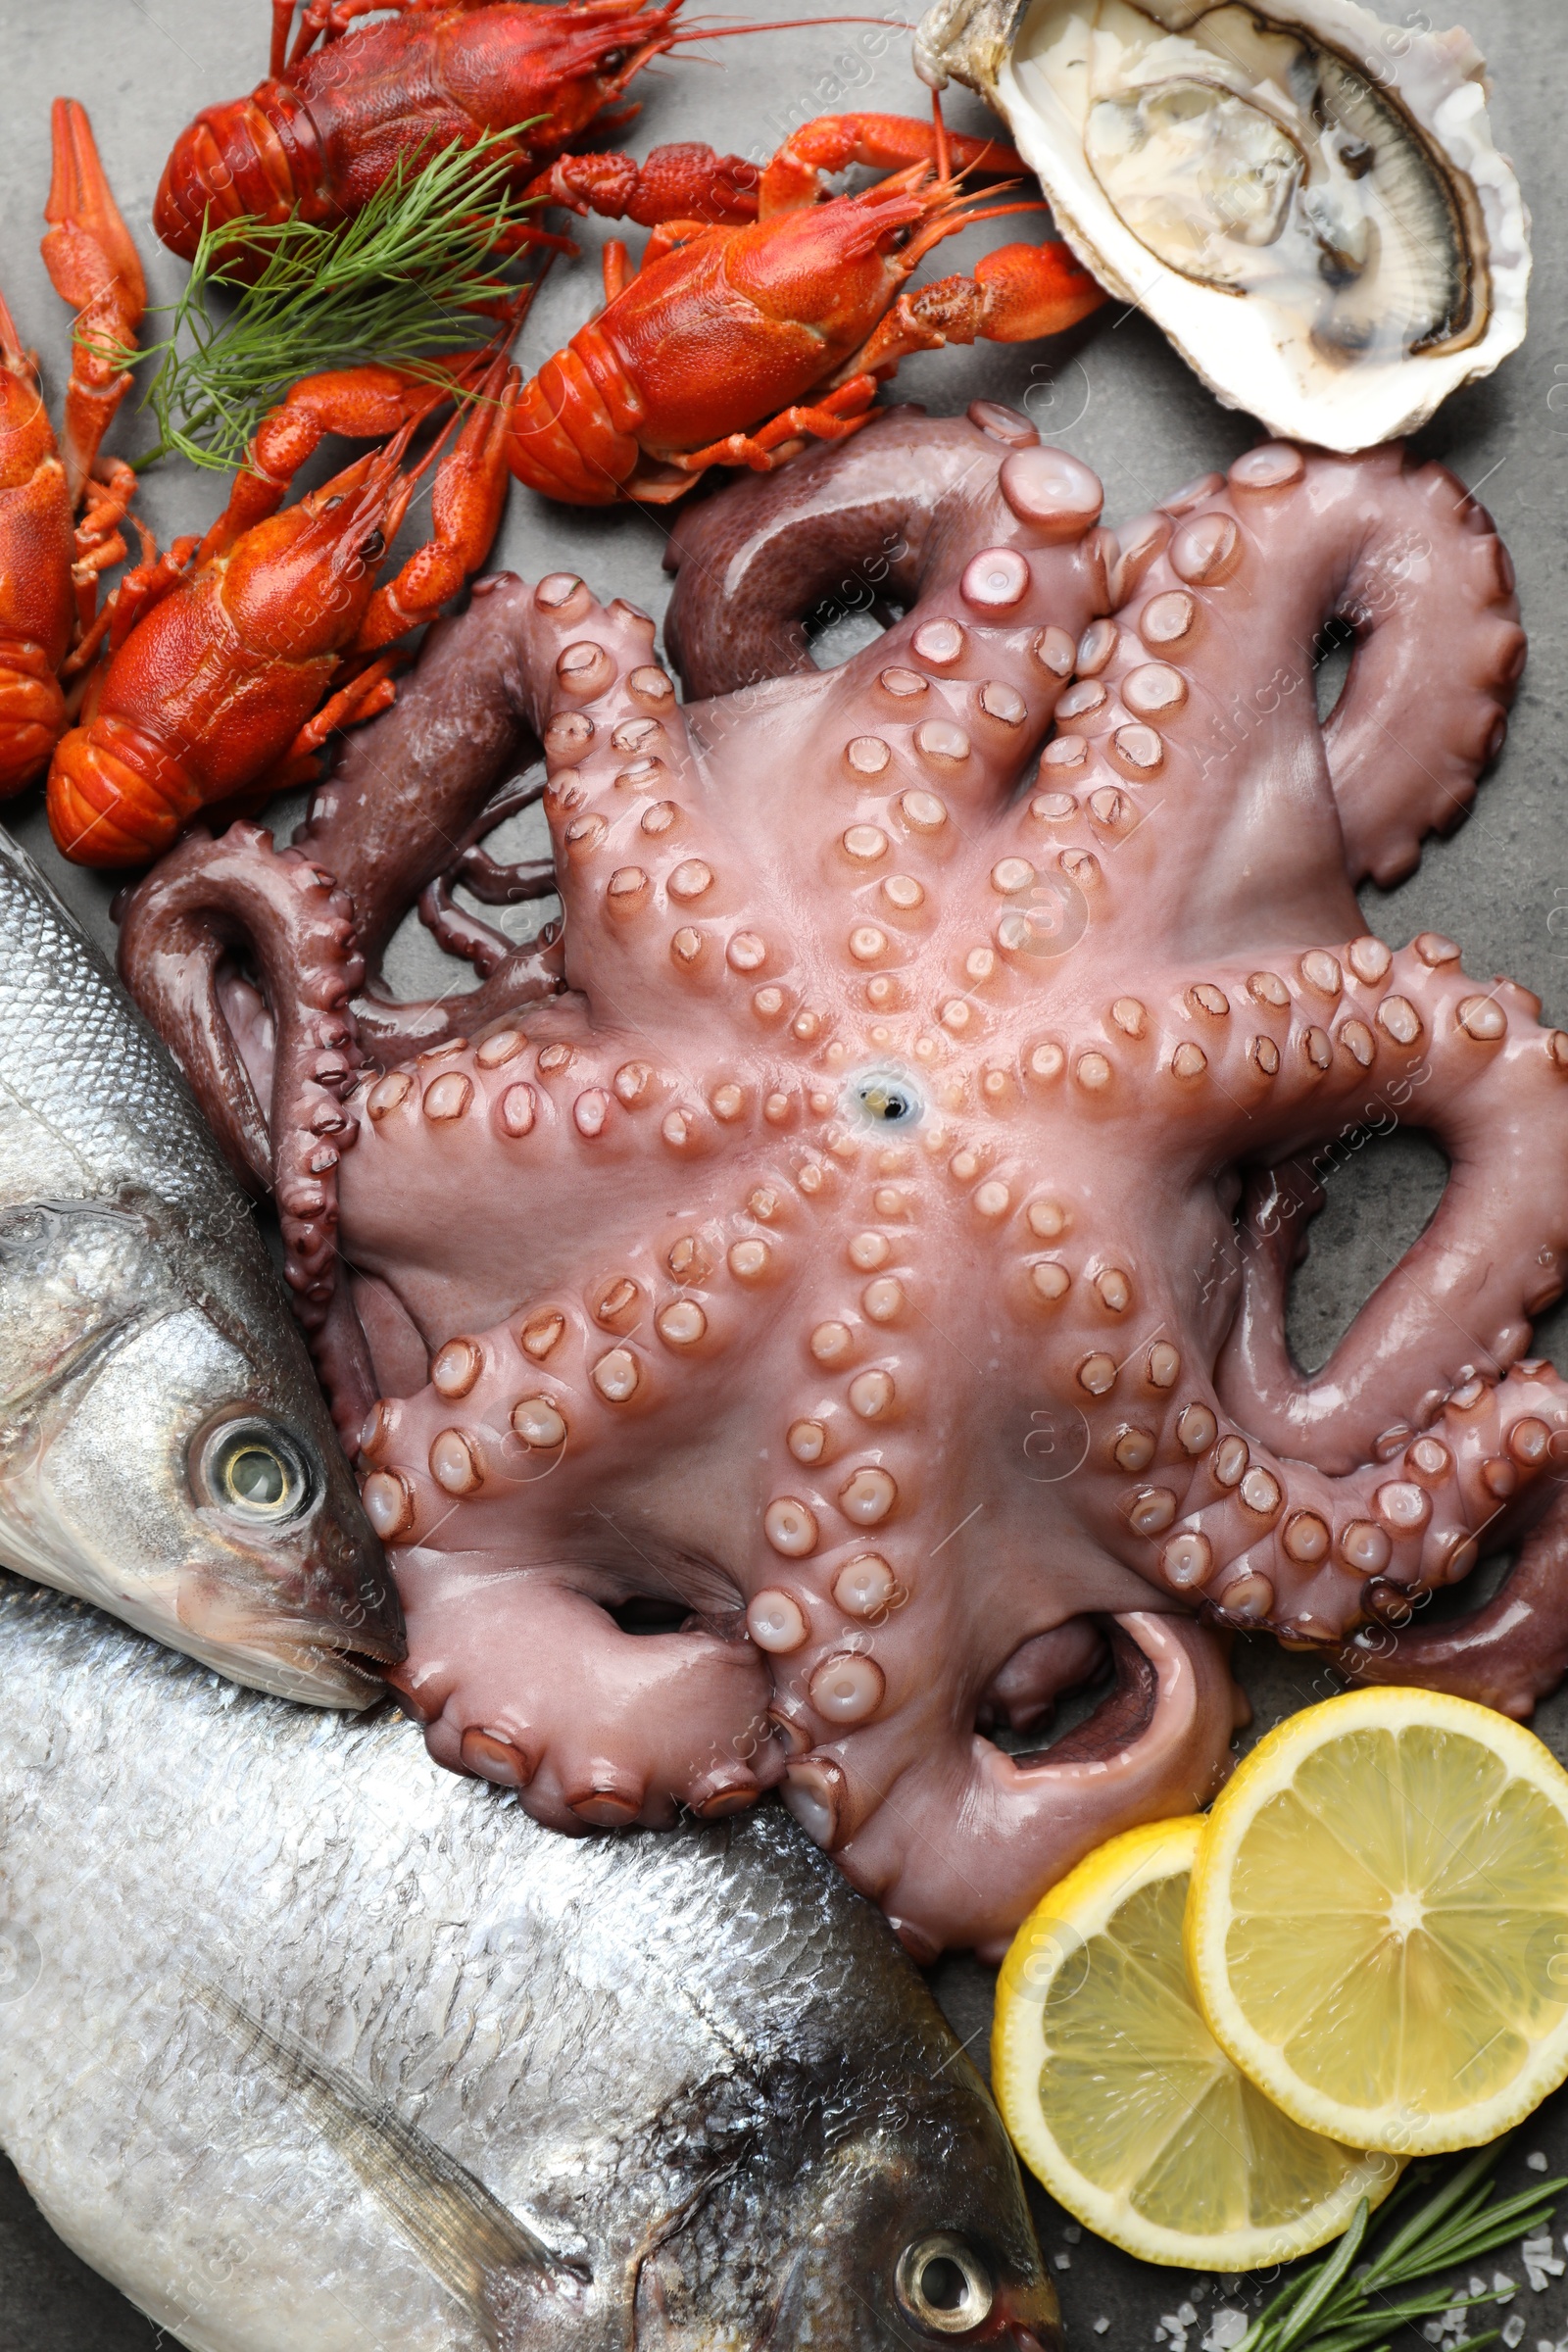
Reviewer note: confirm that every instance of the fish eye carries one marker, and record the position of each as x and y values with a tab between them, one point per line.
255	1471
944	2286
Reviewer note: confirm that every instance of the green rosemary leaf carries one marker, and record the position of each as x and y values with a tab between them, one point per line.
1266	2327
1419	2229
1327	2279
405	281
1330	2307
1501	2225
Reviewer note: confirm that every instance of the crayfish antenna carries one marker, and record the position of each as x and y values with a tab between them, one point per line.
940	131
725	32
94	267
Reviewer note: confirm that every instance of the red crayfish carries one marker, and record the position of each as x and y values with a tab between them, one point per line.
50	561
212	660
332	120
222	651
740	337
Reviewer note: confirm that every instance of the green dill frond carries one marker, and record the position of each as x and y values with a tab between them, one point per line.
401	281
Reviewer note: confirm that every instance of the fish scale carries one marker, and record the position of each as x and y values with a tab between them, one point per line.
309	2042
81	1070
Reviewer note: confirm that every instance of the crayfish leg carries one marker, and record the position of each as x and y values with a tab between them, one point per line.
1018	294
95	267
685	181
467	498
798	171
832	419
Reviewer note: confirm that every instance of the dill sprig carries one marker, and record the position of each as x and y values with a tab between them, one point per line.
1329	2307
400	282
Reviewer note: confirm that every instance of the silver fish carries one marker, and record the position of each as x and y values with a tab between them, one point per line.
311	2046
165	1449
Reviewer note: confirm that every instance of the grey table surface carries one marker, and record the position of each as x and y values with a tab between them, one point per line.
1115	395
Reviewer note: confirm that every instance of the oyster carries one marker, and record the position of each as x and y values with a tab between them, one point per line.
1308	199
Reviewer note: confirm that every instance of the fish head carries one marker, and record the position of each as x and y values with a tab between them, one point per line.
163	1457
878	2209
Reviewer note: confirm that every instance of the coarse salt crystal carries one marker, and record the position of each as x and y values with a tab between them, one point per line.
1513	2330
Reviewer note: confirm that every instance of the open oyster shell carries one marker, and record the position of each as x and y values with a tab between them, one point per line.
1308	199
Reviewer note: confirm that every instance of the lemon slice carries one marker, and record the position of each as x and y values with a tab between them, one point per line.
1117	2095
1378	1930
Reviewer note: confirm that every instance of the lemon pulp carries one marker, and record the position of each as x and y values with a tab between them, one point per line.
1120	2099
1378	1928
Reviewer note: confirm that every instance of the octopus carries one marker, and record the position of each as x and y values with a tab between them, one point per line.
823	1300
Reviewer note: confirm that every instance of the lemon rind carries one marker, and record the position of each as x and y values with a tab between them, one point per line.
1085	1899
1265	1773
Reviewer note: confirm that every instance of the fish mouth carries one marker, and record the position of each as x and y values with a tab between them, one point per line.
360	1662
302	1660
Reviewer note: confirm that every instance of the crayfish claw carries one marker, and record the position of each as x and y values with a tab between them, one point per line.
93	266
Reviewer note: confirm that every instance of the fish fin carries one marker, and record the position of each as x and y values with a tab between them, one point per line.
462	2233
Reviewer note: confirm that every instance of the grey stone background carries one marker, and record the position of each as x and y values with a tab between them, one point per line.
1116	396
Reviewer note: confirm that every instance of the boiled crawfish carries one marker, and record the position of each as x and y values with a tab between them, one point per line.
222	651
332	121
740	338
51	560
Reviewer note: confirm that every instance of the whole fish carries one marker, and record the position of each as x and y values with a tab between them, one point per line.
311	2046
165	1449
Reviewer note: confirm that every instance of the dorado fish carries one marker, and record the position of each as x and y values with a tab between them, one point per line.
311	2046
165	1449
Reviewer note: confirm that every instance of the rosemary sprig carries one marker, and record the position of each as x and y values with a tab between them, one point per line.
1330	2307
400	282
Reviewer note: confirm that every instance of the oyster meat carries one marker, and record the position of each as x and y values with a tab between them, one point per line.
1308	199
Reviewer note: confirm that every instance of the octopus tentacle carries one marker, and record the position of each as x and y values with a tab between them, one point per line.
992	536
961	693
407	786
204	896
1201	692
638	900
493	883
856	527
1406	1039
955	1837
656	1720
1507	1654
1432	604
1267	1542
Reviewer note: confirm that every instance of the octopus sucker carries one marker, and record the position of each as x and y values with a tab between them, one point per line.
827	1300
